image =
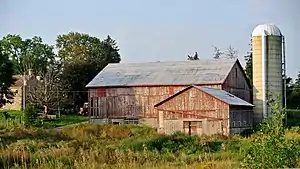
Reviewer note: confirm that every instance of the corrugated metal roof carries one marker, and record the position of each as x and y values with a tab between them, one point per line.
225	96
164	73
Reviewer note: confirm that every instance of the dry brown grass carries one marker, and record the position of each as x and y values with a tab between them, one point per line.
95	146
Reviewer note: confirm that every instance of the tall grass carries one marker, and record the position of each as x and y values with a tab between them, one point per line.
112	146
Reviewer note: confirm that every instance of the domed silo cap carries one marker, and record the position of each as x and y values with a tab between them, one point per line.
266	30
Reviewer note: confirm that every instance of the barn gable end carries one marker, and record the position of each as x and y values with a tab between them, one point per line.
237	83
212	108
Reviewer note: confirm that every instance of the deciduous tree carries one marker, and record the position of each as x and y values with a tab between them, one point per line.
46	89
231	52
6	79
27	54
83	56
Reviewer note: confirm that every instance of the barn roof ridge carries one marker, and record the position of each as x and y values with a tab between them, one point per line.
210	71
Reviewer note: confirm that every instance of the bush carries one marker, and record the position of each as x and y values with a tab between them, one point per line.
31	115
270	149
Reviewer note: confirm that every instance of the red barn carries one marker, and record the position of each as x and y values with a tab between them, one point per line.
128	92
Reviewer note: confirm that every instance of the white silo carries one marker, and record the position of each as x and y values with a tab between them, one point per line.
268	68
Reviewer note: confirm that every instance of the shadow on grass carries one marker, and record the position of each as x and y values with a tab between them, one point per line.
64	121
21	133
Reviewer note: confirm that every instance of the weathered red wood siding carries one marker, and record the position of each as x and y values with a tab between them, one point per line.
196	104
130	101
236	84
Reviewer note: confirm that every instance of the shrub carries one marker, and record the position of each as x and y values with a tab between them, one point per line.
270	149
31	115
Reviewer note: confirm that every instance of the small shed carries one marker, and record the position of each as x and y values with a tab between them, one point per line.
203	111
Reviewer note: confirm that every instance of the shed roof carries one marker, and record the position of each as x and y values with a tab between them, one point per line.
217	93
164	73
225	96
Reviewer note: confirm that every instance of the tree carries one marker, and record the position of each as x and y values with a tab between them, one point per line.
77	47
75	77
231	53
195	57
6	79
248	67
82	57
107	52
217	53
27	54
293	94
47	90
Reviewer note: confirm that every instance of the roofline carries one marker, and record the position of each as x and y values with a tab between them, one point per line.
227	74
195	86
155	85
174	95
224	101
243	71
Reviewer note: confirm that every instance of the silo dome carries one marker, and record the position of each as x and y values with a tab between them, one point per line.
266	29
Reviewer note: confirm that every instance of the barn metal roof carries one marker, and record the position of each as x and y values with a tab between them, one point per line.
217	93
225	96
164	73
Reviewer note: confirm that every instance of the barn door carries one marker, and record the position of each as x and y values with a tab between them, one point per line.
192	127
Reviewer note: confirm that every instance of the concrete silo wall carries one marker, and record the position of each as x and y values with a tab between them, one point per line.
275	66
267	72
257	78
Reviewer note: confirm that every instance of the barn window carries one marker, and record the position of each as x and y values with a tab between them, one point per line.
236	72
171	90
233	124
239	124
199	124
245	123
101	92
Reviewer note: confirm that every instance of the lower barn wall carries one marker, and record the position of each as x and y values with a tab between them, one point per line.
138	102
240	119
195	127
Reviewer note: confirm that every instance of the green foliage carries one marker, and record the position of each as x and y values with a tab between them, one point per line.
248	67
31	114
294	96
270	149
293	117
27	53
64	121
6	79
83	57
123	146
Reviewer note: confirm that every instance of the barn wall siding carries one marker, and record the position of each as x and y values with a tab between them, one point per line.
236	84
130	101
195	104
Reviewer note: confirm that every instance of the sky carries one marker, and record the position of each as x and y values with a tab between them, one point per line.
157	30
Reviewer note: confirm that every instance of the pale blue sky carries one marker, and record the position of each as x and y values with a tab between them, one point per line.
152	30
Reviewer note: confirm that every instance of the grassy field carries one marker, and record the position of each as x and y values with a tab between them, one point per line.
16	118
111	146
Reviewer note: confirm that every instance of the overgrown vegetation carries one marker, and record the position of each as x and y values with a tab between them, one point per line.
111	146
270	149
114	146
11	119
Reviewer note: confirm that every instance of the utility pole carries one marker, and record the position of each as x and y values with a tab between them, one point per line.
24	92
